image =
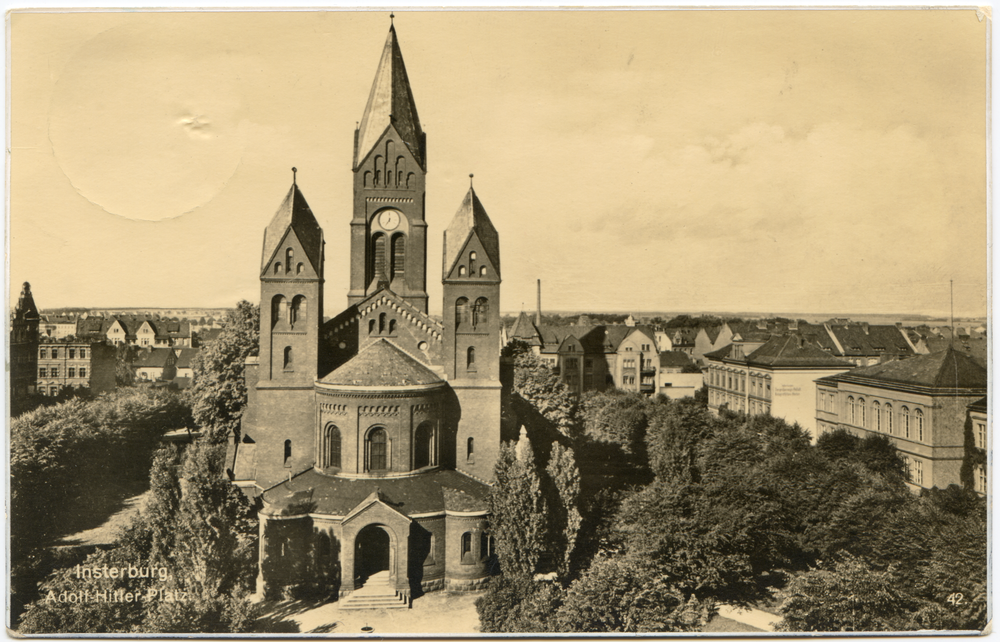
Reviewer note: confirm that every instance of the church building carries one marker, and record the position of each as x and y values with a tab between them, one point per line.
369	440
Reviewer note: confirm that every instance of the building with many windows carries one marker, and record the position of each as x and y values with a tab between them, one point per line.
75	363
919	403
369	440
776	377
978	423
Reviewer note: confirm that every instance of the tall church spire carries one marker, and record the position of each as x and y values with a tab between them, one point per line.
390	102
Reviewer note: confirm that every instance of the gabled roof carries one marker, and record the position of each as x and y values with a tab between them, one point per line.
870	340
294	214
721	353
947	369
712	332
185	356
470	217
390	102
381	363
154	358
524	329
792	351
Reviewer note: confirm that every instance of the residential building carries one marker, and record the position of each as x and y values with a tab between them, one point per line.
368	440
155	364
75	363
58	326
677	375
776	377
919	403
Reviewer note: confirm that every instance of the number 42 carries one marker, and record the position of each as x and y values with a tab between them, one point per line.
955	599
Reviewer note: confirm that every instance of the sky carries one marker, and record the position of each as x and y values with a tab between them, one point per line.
762	161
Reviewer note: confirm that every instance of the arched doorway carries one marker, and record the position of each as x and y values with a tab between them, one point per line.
372	552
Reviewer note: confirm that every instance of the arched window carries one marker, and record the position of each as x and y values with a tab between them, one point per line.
288	453
381	323
392	326
472	264
299	268
368	179
461	312
482	270
398	256
480	310
904	421
298	310
470	358
467	548
277	267
371	326
484	545
918	418
888	418
289	258
379	270
470	448
851	411
333	446
877	415
288	358
424	446
378	449
277	309
461	270
862	414
378	170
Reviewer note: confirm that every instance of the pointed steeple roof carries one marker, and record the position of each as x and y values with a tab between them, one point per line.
471	217
390	102
26	305
294	213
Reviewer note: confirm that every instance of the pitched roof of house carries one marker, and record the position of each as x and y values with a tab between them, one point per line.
185	356
979	405
870	340
470	217
294	213
712	332
154	358
314	492
390	101
791	350
675	359
381	363
947	369
524	329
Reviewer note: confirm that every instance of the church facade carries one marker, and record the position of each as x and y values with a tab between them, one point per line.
369	440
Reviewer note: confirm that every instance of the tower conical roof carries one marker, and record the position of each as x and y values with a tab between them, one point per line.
26	304
471	216
294	212
390	101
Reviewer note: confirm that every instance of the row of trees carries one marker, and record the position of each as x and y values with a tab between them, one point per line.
64	455
681	510
197	533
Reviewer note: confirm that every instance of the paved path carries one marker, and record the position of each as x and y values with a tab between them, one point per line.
753	617
106	532
437	612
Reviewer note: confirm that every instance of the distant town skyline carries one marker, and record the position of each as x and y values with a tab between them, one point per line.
632	160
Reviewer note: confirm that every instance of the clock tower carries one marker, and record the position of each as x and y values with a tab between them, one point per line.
388	230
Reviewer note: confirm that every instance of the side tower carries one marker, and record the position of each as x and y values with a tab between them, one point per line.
388	230
278	436
471	348
23	345
291	294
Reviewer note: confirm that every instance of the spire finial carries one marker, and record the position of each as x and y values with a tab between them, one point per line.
391	16
293	175
470	180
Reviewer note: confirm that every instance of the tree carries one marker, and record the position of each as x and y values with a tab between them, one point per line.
565	476
676	428
619	418
518	605
517	510
618	595
125	356
219	393
537	384
852	596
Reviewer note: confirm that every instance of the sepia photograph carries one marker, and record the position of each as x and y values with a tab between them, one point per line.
730	377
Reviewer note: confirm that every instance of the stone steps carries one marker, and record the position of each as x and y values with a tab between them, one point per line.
377	593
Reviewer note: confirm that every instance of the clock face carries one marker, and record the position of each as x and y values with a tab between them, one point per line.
389	219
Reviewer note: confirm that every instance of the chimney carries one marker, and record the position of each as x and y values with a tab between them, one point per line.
538	310
864	326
